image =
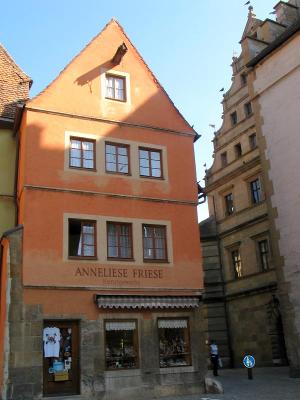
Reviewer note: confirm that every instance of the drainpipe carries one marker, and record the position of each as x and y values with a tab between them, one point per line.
16	134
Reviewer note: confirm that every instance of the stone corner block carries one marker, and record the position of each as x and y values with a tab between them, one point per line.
213	386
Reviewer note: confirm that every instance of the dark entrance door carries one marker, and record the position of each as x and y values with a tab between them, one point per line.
61	358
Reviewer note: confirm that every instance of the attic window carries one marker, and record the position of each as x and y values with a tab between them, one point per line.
115	87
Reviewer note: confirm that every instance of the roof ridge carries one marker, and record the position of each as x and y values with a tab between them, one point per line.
115	21
73	59
15	66
152	74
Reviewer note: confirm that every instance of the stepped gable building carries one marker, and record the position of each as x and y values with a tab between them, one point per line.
239	248
275	81
105	295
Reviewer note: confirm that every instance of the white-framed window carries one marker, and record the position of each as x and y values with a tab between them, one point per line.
115	87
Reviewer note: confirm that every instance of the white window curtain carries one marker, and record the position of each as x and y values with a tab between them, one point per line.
120	326
172	323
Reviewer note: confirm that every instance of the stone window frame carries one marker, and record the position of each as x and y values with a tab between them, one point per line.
84	222
227	211
188	336
244	79
165	242
224	159
252	141
234	118
234	247
115	77
117	146
118	74
238	150
248	180
83	140
135	341
263	236
133	156
101	240
248	109
118	226
150	150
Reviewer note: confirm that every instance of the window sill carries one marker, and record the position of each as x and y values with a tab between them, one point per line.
118	173
155	261
178	370
113	99
249	276
82	258
120	259
83	169
111	373
160	178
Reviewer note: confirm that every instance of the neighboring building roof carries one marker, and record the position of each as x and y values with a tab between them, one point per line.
208	227
289	32
14	84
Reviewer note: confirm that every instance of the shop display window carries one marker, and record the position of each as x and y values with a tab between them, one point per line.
121	344
174	343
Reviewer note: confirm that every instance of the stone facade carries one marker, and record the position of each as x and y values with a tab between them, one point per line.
213	299
236	187
275	76
24	351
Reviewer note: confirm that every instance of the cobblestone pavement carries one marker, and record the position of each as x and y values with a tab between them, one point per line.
267	384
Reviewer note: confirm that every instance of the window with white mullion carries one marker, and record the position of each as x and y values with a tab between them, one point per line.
150	163
82	153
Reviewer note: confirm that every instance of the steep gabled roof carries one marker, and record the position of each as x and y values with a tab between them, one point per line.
155	80
14	85
5	54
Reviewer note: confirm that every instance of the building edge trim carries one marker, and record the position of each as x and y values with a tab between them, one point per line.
111	121
107	194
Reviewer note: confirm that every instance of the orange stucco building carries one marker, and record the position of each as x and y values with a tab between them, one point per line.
109	283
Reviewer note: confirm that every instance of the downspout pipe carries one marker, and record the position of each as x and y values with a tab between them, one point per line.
16	134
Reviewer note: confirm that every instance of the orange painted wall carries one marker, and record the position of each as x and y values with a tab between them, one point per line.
43	239
42	163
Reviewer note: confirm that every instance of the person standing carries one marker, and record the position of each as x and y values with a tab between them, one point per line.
214	356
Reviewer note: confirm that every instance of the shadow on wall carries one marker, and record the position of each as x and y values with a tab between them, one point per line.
47	149
93	74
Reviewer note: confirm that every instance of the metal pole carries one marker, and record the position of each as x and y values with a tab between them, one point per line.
250	374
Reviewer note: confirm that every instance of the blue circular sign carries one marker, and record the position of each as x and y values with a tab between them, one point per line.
249	361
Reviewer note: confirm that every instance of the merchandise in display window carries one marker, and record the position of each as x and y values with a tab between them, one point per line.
58	351
60	358
174	343
121	347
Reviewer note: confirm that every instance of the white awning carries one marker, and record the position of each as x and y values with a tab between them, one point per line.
146	302
172	323
120	326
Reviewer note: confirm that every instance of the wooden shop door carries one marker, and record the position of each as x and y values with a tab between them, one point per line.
60	358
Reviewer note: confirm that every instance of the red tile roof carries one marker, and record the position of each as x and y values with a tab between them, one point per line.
14	84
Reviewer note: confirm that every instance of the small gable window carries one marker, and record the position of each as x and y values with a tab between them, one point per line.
115	87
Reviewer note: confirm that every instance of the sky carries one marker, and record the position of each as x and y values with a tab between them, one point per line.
188	45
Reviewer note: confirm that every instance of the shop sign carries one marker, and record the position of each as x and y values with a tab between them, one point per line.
119	273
